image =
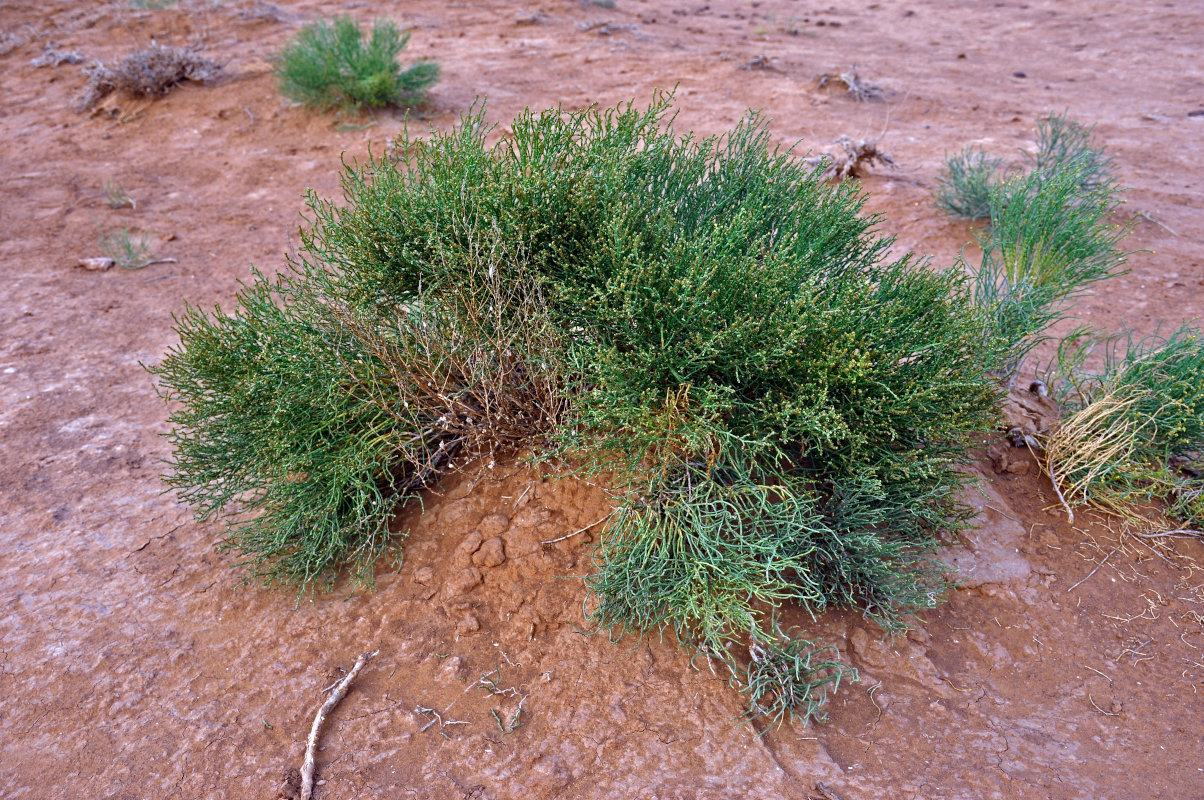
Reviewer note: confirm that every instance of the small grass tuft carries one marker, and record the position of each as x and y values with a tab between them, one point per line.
1136	429
964	186
128	250
1062	141
787	678
116	195
1051	234
331	65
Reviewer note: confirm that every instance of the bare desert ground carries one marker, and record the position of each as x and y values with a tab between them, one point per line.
134	663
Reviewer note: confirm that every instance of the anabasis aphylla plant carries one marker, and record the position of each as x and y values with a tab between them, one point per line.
780	406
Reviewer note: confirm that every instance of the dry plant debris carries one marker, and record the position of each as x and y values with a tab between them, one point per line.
858	155
760	63
150	72
10	41
856	87
311	747
52	57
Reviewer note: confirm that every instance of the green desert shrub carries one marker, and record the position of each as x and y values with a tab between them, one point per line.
780	406
332	65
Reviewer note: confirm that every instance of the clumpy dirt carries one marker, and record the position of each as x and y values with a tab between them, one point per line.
134	664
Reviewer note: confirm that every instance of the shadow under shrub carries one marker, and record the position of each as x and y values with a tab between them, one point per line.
784	406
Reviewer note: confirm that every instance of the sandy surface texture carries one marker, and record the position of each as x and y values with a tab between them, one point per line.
133	664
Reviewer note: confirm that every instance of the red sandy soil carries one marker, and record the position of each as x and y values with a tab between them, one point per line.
133	664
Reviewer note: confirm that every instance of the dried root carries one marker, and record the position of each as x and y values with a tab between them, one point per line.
150	72
858	156
858	89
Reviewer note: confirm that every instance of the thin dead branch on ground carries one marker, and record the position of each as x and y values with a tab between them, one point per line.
311	747
1092	572
579	531
435	717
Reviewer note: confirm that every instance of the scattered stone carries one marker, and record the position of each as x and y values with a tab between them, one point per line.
453	668
470	543
424	575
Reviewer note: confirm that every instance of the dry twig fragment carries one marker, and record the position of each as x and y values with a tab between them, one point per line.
311	747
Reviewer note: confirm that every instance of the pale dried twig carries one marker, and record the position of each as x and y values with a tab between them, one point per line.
1097	566
579	531
311	747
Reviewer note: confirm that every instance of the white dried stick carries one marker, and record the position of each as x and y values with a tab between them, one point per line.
311	747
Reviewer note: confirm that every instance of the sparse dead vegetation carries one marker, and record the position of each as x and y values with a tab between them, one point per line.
854	85
150	72
11	40
857	156
52	57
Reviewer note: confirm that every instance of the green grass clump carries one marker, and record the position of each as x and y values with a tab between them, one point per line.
781	408
127	249
1050	235
116	196
964	186
1061	141
331	65
1136	429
